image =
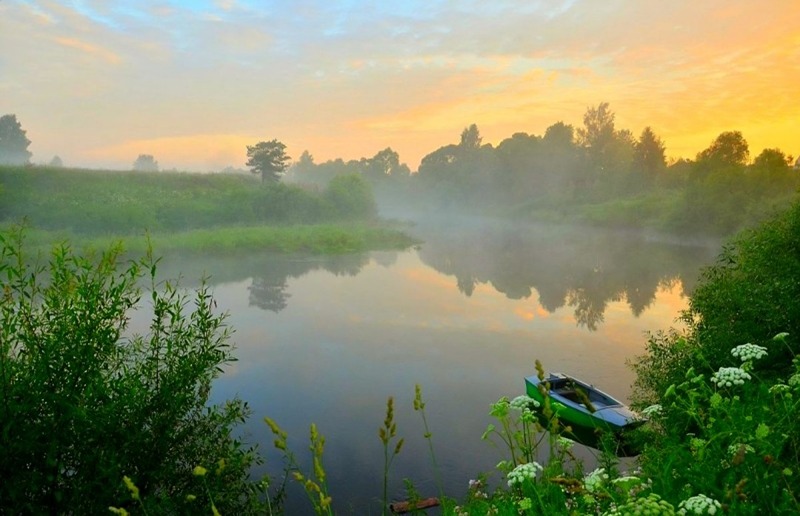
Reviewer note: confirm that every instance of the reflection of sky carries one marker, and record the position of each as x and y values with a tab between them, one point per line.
346	343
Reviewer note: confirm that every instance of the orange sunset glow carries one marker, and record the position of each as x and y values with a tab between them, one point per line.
194	82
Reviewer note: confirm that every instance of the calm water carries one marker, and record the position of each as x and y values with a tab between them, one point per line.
328	340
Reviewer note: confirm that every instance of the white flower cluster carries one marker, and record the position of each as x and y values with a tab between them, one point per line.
652	410
523	402
747	352
700	504
595	479
794	381
565	443
523	472
652	504
729	376
736	448
779	388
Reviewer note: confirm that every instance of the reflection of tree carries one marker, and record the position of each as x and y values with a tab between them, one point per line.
270	273
269	293
582	269
269	288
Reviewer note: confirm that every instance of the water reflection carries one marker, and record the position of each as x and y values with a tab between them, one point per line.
269	273
580	268
583	269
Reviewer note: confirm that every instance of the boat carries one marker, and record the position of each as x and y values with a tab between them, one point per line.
586	412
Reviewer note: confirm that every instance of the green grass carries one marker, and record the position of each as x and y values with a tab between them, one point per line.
217	213
314	239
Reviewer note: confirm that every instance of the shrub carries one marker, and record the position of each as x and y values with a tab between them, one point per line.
83	405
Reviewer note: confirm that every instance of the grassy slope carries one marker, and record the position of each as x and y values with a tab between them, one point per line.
201	212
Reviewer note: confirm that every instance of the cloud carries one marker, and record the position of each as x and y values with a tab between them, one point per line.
345	79
88	48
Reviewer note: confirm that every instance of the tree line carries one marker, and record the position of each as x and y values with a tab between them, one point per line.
596	173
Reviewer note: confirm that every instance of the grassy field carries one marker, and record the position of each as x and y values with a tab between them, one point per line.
182	211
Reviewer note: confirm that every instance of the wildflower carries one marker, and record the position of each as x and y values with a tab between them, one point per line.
700	504
653	504
595	479
652	410
740	448
475	489
781	336
627	480
696	443
190	498
118	510
779	388
749	351
525	504
499	409
523	472
523	402
730	376
794	381
565	443
199	471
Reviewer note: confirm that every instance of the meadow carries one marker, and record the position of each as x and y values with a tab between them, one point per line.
185	211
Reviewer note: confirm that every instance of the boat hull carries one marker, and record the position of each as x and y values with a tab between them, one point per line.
587	415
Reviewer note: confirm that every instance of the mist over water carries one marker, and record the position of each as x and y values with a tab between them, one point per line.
328	339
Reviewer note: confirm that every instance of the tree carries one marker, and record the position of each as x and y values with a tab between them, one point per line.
351	197
385	164
471	138
13	142
56	162
559	135
729	148
597	132
268	159
772	159
609	152
304	168
145	163
648	153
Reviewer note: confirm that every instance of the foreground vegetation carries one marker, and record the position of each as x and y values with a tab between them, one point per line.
84	404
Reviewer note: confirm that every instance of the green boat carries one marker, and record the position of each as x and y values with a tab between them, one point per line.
586	410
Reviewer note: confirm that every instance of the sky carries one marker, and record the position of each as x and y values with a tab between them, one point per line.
193	82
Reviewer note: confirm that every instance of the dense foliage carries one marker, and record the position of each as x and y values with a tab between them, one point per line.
748	296
595	174
83	403
97	202
13	142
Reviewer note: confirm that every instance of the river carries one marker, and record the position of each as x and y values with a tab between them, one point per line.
465	315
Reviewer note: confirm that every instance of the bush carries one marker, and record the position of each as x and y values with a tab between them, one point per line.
82	404
747	296
351	198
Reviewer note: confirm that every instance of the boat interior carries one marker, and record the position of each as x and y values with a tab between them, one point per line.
567	388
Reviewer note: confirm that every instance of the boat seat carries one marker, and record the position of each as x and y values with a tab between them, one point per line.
568	393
